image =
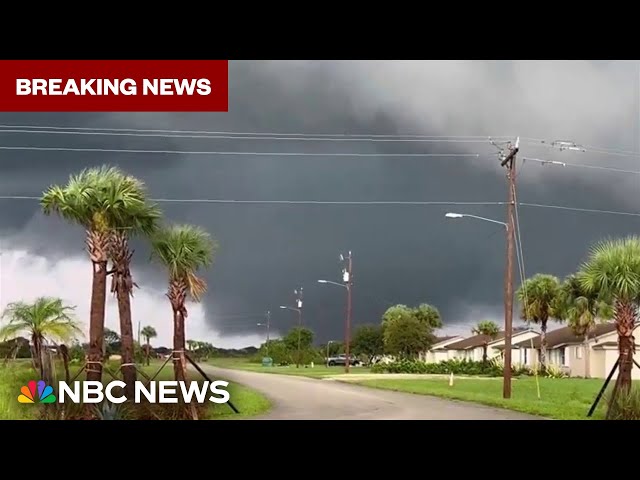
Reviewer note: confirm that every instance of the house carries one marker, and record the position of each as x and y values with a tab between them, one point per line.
566	350
437	352
472	348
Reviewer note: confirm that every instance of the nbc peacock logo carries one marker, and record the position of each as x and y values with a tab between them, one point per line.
44	391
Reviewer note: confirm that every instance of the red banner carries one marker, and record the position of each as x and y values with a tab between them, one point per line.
114	85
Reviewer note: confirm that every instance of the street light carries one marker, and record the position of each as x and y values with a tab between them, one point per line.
508	295
463	215
268	325
298	293
347	278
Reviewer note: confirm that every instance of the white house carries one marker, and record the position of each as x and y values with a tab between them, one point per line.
437	352
472	348
566	350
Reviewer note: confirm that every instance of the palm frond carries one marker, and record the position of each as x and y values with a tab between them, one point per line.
183	250
46	317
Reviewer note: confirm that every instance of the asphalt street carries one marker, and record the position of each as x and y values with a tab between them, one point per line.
301	398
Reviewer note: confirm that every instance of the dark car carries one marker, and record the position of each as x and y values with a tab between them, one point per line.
342	360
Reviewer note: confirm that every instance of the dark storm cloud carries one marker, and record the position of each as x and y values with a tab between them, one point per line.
403	254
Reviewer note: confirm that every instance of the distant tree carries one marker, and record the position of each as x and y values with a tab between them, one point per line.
396	312
539	298
428	314
110	343
299	342
407	337
46	319
148	333
490	330
582	310
368	341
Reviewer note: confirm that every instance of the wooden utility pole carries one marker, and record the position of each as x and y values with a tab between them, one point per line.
268	327
510	163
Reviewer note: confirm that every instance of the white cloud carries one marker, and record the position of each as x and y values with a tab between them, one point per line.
26	276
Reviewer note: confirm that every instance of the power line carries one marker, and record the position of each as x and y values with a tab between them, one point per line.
584	148
242	137
354	203
575	209
579	165
281	202
263	154
210	132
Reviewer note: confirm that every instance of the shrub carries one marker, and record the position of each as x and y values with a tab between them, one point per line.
626	405
493	368
552	371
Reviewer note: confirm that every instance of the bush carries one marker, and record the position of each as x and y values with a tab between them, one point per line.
626	405
457	367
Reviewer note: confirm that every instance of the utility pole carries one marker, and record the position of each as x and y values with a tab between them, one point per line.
347	278
298	293
509	161
268	325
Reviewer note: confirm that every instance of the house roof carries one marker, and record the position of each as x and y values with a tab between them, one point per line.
439	340
479	340
603	345
564	335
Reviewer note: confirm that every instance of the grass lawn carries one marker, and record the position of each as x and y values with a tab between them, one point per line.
14	375
318	371
562	398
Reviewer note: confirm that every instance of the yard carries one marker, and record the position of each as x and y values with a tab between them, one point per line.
18	373
561	398
318	371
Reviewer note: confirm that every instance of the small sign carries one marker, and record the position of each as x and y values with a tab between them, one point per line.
267	362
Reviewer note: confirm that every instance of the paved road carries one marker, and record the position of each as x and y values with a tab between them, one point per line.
300	398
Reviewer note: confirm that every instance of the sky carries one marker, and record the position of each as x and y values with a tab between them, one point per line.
403	254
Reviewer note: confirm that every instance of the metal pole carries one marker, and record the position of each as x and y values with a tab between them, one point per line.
299	332
347	333
327	362
268	323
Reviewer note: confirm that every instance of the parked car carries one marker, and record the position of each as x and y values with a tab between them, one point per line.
342	360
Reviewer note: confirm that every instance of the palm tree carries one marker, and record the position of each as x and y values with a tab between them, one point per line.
100	200
137	217
582	310
46	319
183	250
490	330
613	270
538	298
148	333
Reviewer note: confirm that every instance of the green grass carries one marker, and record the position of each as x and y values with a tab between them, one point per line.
318	371
562	398
249	402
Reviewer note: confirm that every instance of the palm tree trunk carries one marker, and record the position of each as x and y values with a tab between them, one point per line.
543	345
97	246
178	295
147	350
587	357
484	354
122	285
35	354
625	319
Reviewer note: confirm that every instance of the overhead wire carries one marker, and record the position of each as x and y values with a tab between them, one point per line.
262	154
247	137
226	132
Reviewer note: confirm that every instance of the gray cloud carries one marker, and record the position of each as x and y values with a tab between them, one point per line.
403	254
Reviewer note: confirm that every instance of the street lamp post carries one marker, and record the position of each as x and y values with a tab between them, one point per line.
298	293
508	298
347	278
268	325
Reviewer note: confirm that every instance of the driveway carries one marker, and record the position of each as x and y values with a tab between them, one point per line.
300	398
